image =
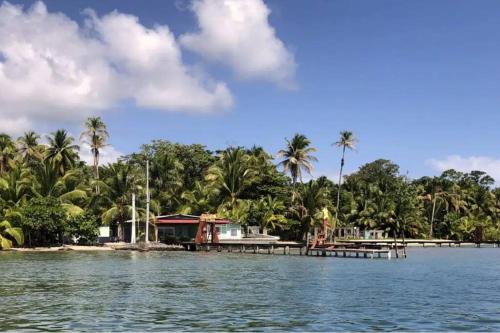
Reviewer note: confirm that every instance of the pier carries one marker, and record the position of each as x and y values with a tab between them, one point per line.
341	250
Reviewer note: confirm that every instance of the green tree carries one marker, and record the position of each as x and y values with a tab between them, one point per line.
347	140
95	135
30	148
231	175
9	235
297	157
122	180
83	227
61	151
44	220
7	152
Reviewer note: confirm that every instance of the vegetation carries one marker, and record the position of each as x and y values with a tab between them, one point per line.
51	197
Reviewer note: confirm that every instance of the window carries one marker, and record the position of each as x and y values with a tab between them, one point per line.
169	231
217	230
234	232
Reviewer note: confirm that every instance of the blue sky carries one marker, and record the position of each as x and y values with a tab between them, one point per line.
416	81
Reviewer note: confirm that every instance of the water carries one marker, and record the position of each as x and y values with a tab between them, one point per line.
434	289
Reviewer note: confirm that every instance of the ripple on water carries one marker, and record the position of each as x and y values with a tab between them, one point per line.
434	289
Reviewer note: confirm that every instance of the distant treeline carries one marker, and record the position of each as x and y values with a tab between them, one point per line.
49	196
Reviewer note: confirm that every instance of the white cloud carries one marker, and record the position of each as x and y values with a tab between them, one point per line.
14	126
487	164
107	155
53	69
238	33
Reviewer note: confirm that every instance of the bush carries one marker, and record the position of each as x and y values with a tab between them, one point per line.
84	228
43	221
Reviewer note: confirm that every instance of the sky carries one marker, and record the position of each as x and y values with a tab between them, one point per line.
416	81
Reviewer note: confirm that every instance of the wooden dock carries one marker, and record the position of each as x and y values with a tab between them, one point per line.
424	242
371	251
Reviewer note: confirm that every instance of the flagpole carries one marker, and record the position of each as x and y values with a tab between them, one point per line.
147	201
132	236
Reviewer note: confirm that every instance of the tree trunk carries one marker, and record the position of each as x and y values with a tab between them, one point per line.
432	216
338	192
96	168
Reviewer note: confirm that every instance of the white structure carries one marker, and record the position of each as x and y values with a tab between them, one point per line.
229	231
132	237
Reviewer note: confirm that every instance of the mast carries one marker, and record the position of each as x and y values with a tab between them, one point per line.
147	201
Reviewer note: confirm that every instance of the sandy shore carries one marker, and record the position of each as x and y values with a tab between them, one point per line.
105	247
63	248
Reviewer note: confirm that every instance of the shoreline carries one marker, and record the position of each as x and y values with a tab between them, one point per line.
104	248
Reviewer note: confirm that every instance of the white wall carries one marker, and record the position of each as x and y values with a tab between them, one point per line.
230	232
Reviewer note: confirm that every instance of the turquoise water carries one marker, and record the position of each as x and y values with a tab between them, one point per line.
434	289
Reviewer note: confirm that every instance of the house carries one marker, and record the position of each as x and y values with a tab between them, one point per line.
182	227
373	234
347	233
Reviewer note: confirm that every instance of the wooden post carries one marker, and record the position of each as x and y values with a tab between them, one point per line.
272	249
395	244
307	242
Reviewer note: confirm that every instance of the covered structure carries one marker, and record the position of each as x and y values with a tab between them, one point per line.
183	227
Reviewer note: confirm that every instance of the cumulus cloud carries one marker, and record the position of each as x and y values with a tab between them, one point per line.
53	68
107	155
238	33
487	164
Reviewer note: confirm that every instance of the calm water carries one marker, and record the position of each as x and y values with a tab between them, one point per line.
434	289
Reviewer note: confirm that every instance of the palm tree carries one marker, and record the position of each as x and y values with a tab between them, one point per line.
297	157
347	140
7	150
61	152
15	185
29	147
199	200
95	136
8	234
121	183
272	210
231	175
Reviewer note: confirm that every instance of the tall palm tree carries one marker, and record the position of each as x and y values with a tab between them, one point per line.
346	141
297	157
62	151
29	147
95	135
7	150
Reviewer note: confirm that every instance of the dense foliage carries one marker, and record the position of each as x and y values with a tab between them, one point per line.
53	197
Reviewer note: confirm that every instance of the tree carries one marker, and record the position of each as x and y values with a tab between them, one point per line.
297	157
347	140
84	228
271	213
7	152
61	152
95	135
122	180
29	147
44	220
231	175
308	206
9	235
